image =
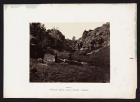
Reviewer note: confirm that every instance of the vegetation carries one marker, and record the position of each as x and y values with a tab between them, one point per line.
56	72
86	59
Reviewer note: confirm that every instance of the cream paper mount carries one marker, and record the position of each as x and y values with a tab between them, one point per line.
123	60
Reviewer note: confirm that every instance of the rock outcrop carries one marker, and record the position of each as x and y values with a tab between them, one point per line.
94	39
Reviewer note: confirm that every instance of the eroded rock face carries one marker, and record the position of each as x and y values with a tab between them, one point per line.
94	39
52	41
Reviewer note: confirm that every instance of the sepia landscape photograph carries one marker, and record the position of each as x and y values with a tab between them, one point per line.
69	52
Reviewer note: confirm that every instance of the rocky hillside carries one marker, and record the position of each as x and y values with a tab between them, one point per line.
94	39
52	40
56	59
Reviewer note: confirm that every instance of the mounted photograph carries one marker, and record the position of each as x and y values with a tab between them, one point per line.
70	52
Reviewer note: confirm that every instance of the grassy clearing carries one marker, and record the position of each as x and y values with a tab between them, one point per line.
62	72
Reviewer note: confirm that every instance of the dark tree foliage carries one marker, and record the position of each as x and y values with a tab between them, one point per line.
56	39
37	30
37	33
41	40
69	45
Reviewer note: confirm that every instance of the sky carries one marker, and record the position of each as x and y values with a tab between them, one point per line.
73	29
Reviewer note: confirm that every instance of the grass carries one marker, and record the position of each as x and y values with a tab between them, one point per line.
97	69
101	58
62	72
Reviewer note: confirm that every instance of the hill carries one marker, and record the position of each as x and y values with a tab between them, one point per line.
69	60
94	44
94	39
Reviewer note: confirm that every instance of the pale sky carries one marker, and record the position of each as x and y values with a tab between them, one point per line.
73	29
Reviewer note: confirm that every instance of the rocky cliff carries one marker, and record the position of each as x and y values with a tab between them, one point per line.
94	39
